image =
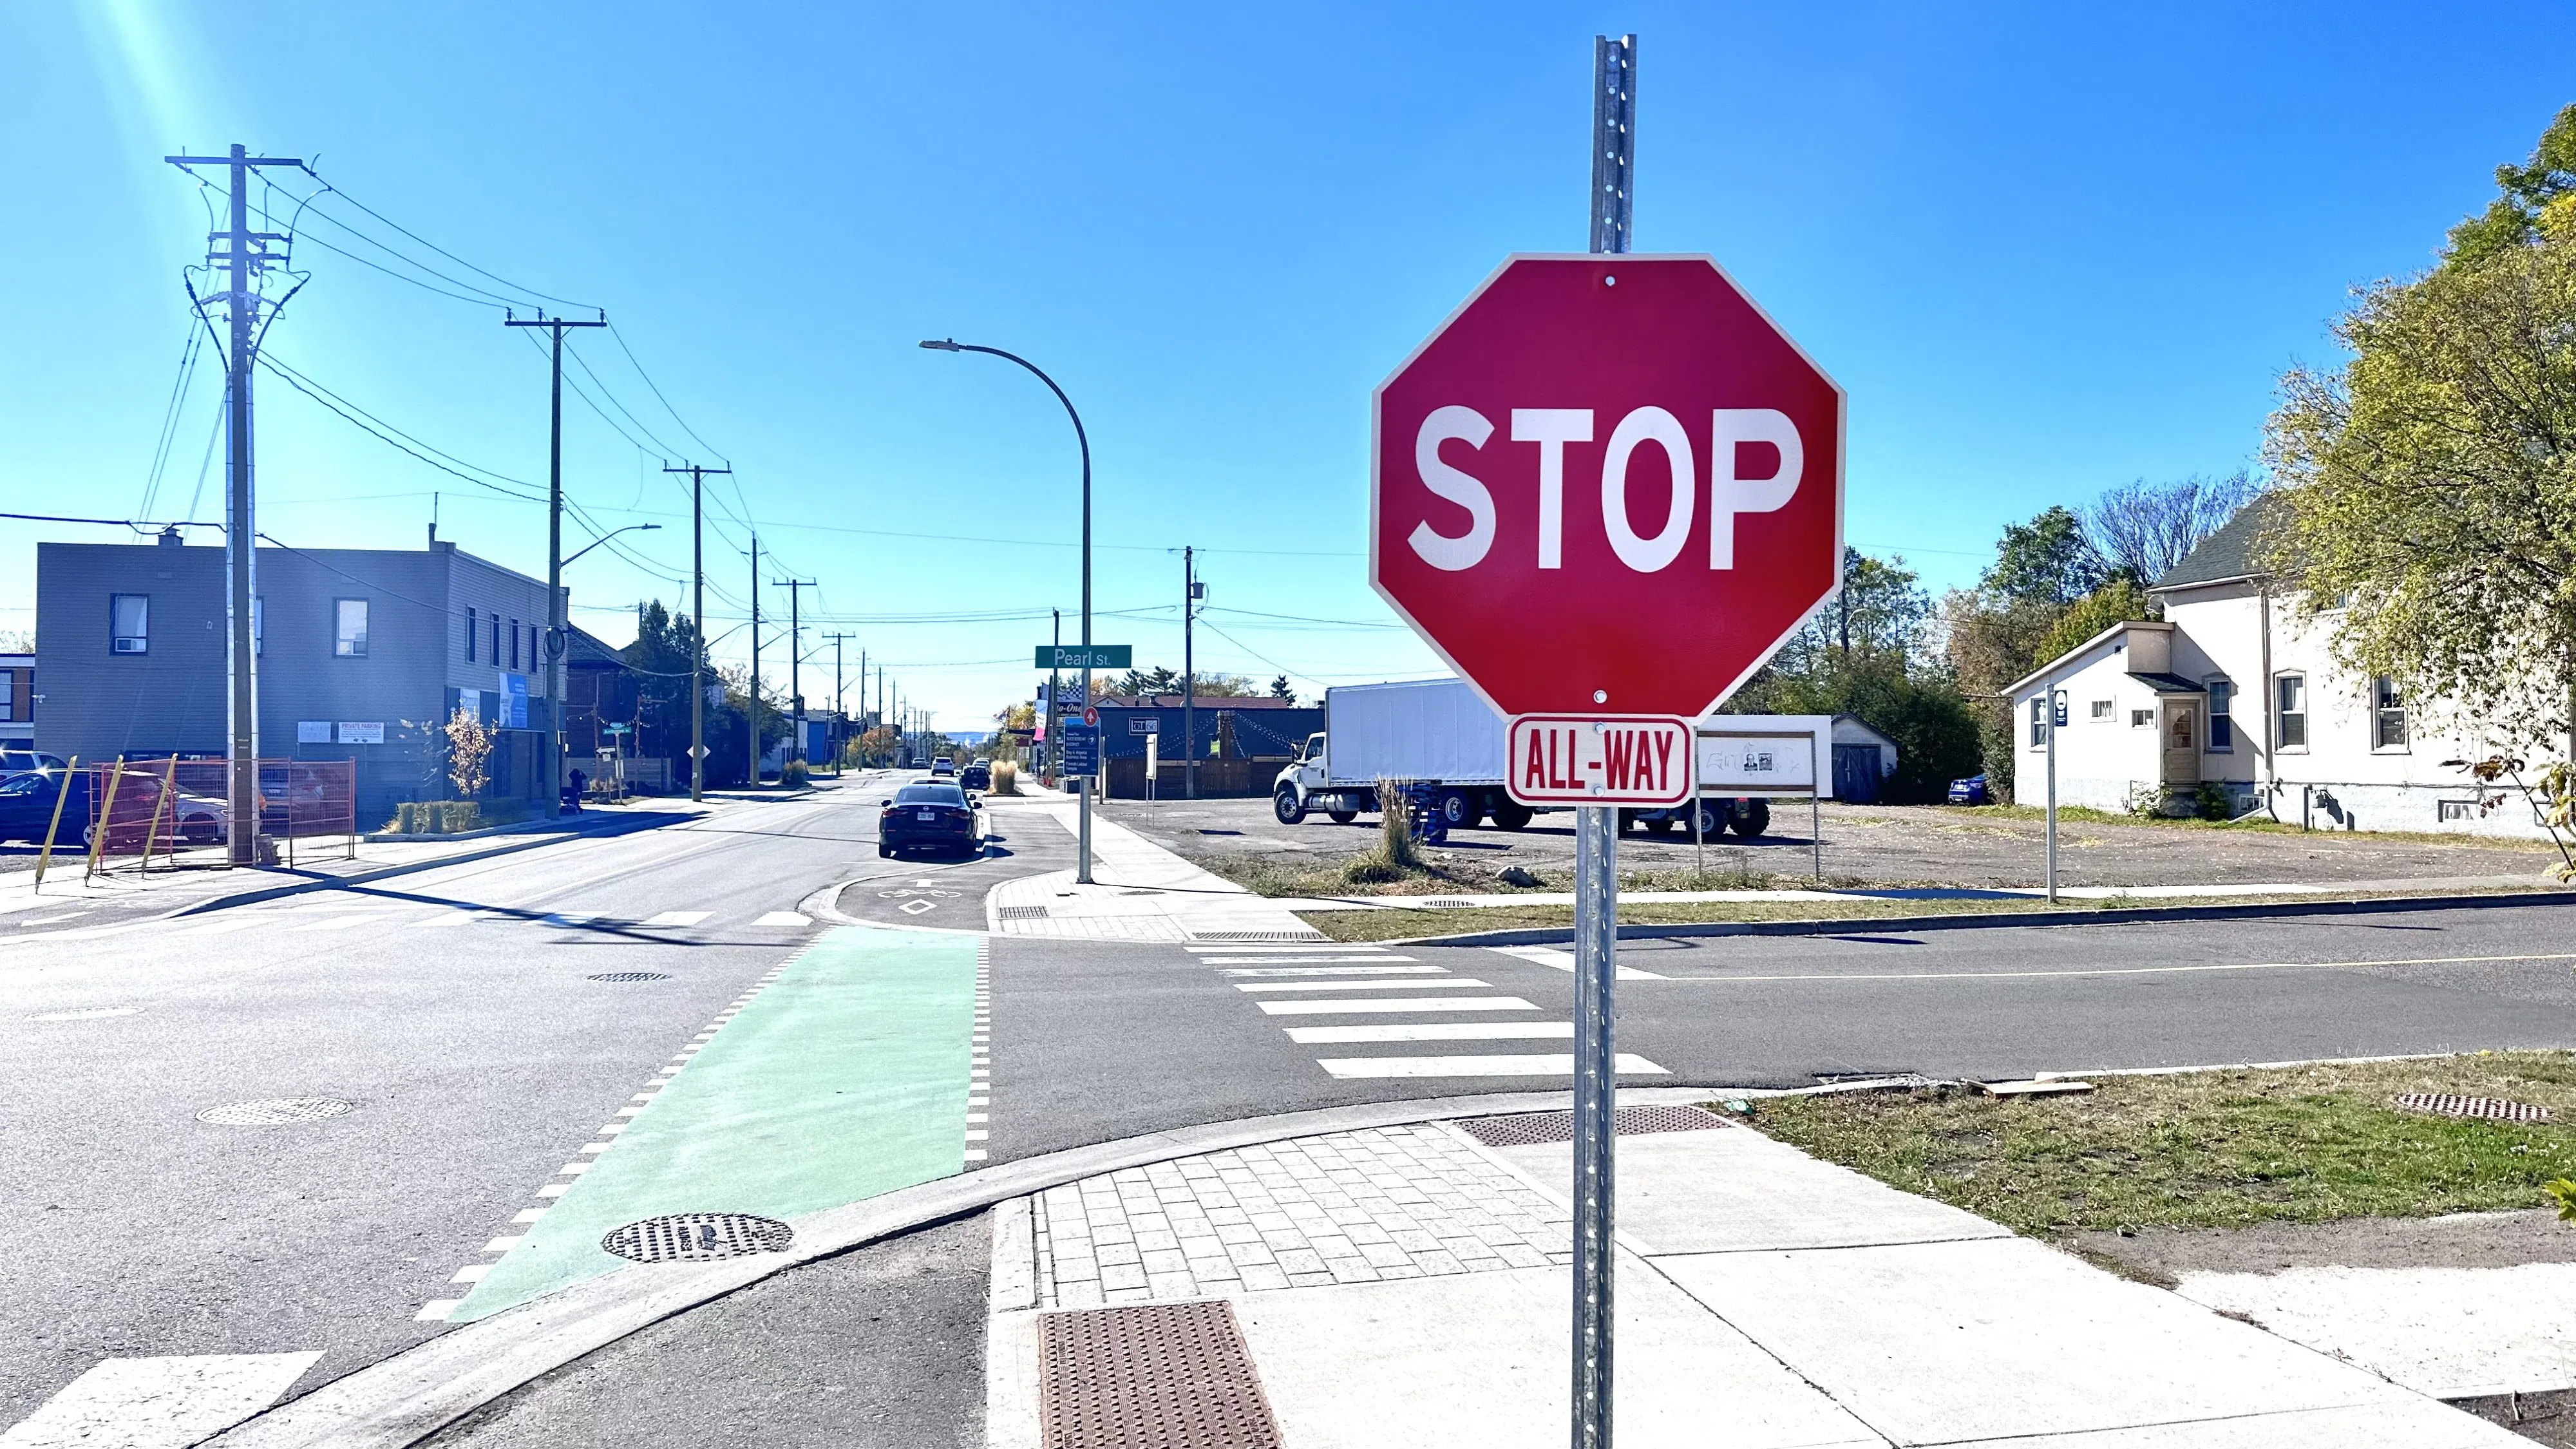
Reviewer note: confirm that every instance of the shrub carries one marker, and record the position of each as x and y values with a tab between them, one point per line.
436	817
793	774
2213	802
1006	778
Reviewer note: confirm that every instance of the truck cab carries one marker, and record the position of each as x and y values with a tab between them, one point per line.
1294	790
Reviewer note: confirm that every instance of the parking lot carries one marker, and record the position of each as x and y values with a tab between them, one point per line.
1893	845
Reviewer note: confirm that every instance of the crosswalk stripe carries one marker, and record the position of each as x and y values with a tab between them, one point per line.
1410	1004
1334	971
1551	957
1431	1031
1279	948
1294	960
676	918
782	918
1446	983
1500	1066
146	1403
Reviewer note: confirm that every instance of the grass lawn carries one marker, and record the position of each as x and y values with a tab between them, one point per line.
2078	814
1406	925
2207	1150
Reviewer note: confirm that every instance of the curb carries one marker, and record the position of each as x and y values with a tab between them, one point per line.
1979	920
400	1401
625	826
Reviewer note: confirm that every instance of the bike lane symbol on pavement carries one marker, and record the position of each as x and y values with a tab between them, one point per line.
845	1078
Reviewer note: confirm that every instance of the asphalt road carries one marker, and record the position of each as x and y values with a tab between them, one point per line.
454	1008
458	1011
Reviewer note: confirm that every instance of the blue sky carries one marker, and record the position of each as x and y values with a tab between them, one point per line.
2046	251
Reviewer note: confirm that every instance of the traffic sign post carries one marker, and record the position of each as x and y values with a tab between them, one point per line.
1605	490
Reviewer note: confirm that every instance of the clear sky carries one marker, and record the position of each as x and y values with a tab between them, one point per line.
2046	249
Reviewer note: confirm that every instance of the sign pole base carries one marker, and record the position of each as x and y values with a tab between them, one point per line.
1596	930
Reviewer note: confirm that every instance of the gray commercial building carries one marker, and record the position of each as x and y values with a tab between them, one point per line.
363	654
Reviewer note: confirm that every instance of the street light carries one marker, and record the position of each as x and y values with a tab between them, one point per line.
612	533
1082	862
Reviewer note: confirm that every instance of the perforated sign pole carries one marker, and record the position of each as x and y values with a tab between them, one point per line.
1596	863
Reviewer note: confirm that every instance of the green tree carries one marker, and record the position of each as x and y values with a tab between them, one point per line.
2045	561
2114	603
1279	690
2428	486
1936	736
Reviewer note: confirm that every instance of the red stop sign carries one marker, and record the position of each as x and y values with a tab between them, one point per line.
1608	485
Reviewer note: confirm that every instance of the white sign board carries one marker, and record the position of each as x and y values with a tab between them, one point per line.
1153	755
362	732
1766	755
1616	760
313	732
470	703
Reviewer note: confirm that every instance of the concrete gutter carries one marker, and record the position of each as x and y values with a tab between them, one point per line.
1978	920
620	825
402	1400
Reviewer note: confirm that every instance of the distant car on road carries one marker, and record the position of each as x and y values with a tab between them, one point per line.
1970	791
18	762
943	768
933	815
978	775
27	806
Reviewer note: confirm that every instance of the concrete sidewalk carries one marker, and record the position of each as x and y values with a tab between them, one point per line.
2105	894
1140	892
1408	1286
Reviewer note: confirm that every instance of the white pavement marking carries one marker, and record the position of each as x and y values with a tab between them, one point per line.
2146	970
150	1403
1432	1031
1515	1066
436	1310
1259	949
566	918
676	918
1558	960
1408	1004
1334	971
93	1013
1444	984
1306	960
782	918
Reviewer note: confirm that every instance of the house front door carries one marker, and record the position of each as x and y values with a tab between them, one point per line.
2181	741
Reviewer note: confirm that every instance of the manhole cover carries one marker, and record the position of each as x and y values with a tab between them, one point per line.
1022	913
698	1237
624	976
2494	1109
1530	1128
274	1112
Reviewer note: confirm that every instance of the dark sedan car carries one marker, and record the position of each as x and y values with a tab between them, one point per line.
930	816
27	804
978	775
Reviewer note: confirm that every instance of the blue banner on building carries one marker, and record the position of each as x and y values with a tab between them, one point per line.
511	712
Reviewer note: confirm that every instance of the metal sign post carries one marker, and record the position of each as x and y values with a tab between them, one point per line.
2056	716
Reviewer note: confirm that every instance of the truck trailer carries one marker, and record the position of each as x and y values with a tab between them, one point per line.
1442	733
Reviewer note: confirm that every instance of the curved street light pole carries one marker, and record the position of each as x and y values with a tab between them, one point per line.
605	537
1082	872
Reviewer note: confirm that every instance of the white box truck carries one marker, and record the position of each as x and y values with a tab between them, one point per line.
1441	732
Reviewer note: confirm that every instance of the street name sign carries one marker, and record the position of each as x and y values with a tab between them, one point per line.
1606	490
1095	656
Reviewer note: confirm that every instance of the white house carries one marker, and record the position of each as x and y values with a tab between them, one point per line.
2232	690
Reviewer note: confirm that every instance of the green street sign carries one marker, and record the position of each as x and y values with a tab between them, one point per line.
1075	656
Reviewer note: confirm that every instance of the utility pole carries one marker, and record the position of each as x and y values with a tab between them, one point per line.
755	661
1191	592
1055	709
551	744
795	655
697	625
840	712
241	514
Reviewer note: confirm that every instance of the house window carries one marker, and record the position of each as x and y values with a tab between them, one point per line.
2142	719
2105	711
2038	721
2387	715
2181	728
349	628
2290	709
2222	724
129	615
472	622
496	638
514	643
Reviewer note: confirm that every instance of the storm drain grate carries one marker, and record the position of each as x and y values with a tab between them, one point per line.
2495	1109
698	1237
1446	905
1259	936
1022	913
1531	1128
274	1111
1150	1376
623	976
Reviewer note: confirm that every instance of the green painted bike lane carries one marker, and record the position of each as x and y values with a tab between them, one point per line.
844	1078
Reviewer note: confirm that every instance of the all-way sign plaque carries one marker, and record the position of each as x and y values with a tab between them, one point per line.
1634	760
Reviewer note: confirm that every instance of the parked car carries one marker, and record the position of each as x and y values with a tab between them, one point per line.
18	762
978	775
933	815
1970	791
943	768
27	807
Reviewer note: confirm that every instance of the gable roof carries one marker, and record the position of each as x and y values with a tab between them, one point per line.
2227	554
